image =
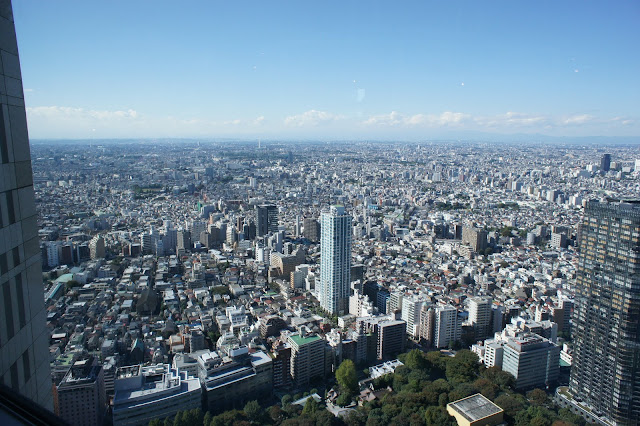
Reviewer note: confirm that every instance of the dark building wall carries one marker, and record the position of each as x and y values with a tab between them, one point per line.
24	349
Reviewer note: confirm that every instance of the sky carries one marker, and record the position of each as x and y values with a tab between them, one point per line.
329	69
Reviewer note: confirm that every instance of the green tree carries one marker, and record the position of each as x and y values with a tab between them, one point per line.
537	397
286	399
177	420
437	416
310	407
253	411
154	422
347	377
511	406
416	360
207	419
344	399
275	413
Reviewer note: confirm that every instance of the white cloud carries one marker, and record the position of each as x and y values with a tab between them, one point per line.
578	119
80	113
311	118
71	122
511	120
395	119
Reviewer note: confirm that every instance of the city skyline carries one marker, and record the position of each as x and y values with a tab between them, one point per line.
329	71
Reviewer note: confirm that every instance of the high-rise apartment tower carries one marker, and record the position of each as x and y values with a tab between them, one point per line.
335	260
606	318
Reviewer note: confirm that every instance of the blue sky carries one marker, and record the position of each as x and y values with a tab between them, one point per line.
341	70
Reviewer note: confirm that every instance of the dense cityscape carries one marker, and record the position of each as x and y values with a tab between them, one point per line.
198	266
387	280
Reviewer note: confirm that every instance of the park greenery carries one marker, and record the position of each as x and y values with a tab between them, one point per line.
420	391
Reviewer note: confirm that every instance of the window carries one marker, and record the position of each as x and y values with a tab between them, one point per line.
20	294
4	152
8	310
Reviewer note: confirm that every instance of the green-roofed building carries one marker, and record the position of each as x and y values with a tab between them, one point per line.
307	358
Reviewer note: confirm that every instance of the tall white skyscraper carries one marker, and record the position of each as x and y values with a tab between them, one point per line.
335	260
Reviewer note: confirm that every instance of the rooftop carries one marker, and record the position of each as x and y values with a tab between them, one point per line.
475	407
300	340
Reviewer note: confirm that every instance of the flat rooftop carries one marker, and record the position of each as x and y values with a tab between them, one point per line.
475	407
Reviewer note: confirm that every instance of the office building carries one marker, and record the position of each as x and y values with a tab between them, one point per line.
144	393
335	261
605	162
233	379
24	339
532	360
307	358
267	217
447	327
80	398
606	324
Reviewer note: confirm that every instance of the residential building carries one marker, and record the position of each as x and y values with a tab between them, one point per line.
427	325
447	327
96	247
312	229
335	261
307	358
475	238
606	324
411	307
480	313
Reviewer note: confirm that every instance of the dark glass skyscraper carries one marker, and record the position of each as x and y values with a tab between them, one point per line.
605	163
24	339
267	217
606	317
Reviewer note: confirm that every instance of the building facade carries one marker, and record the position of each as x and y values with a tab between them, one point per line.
267	217
532	360
24	339
335	261
606	319
480	312
307	358
447	327
80	398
